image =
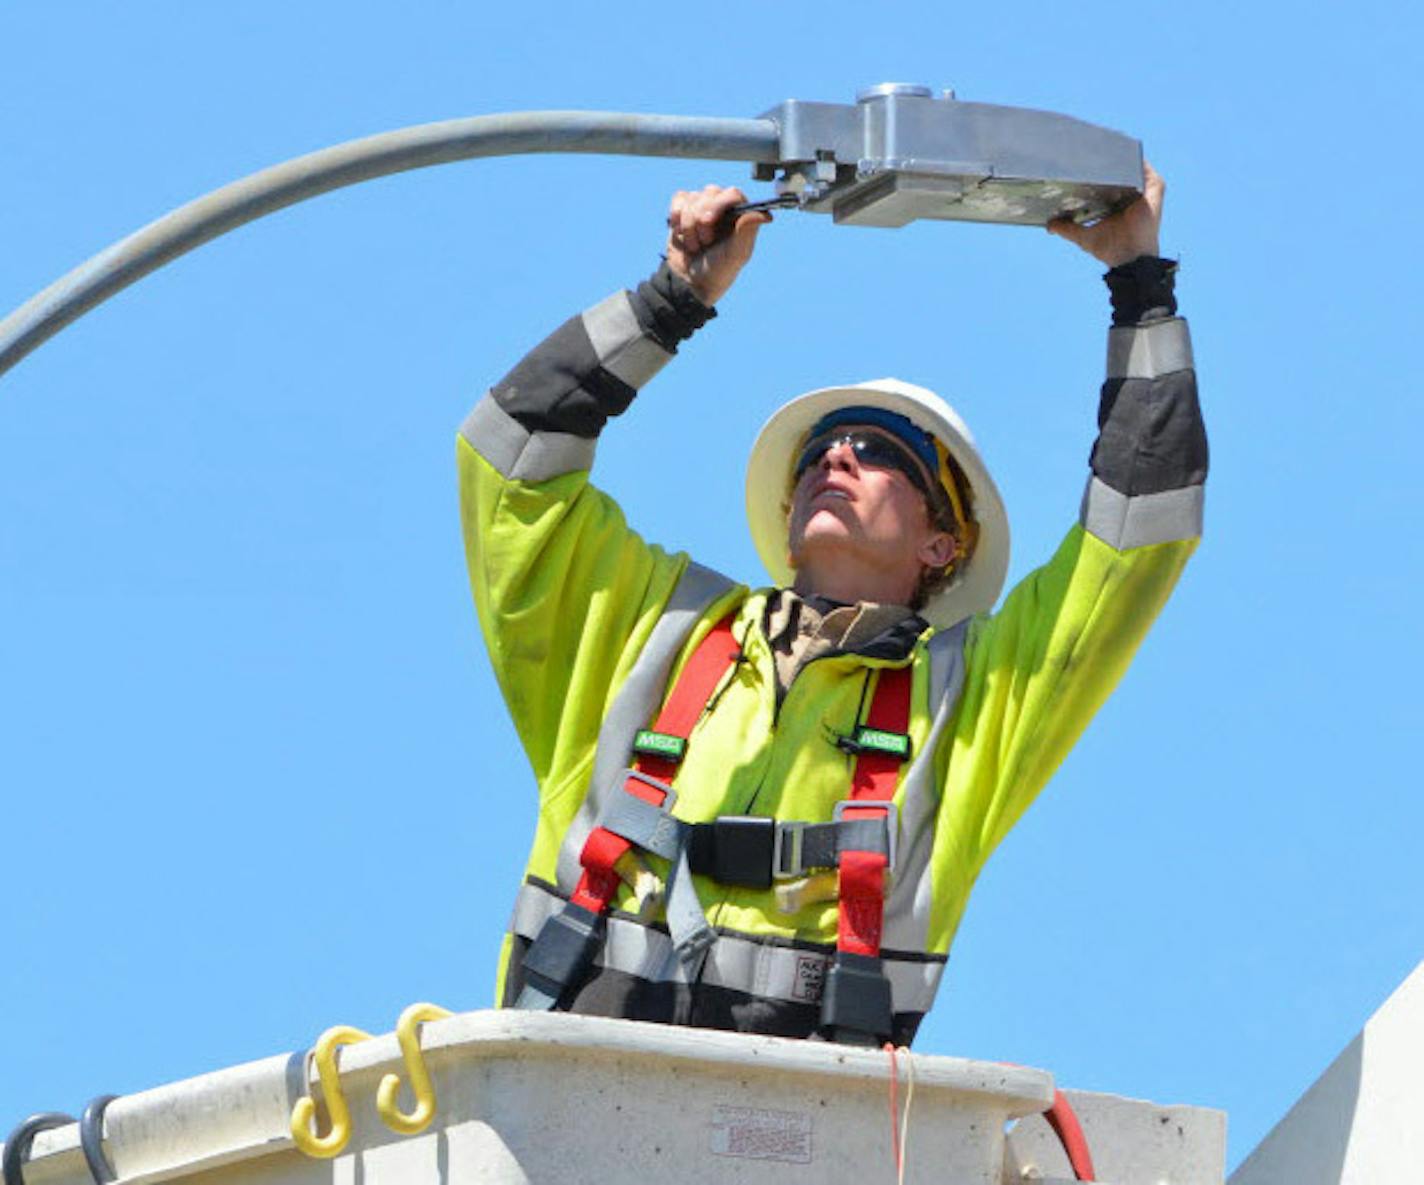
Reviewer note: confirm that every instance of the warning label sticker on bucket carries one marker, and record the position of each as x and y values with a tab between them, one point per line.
761	1135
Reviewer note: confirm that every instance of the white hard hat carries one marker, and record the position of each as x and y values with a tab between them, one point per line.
974	584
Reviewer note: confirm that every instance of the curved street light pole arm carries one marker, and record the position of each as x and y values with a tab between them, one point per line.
194	224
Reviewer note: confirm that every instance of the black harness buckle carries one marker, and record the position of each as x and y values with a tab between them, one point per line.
734	850
563	950
856	1005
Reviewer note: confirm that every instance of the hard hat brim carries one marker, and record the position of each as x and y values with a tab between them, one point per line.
978	582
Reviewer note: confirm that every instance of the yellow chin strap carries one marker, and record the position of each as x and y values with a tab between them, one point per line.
967	528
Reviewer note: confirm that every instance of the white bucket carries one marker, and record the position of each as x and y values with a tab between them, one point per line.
536	1097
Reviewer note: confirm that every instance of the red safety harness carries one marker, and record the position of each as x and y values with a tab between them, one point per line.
715	655
856	1002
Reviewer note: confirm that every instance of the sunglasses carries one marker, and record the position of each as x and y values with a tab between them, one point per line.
870	448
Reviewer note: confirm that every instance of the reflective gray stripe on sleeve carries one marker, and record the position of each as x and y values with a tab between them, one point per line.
735	961
518	454
1147	351
623	349
635	704
1124	522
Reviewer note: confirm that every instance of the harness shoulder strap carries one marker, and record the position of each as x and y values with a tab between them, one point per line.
856	1006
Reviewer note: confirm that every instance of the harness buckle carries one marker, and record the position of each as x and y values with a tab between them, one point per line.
561	952
857	1002
891	821
786	850
668	793
744	850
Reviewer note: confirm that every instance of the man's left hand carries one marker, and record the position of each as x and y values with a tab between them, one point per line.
1126	235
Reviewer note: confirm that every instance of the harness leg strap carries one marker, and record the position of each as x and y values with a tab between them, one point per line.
687	921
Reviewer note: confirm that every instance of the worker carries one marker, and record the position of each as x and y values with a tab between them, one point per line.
764	810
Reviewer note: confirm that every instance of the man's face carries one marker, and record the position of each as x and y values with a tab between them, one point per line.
847	510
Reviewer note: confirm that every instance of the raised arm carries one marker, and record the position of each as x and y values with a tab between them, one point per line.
567	593
1043	664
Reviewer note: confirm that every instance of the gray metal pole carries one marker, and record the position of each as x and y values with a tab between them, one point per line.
146	250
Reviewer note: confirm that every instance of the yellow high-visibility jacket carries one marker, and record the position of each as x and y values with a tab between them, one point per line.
585	624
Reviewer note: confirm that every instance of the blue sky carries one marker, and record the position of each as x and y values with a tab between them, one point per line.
256	776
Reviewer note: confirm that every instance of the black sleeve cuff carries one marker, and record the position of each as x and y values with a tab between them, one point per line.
1143	290
668	309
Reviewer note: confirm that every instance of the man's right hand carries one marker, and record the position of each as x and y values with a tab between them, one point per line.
702	247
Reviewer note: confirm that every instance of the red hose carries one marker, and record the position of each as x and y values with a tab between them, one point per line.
1064	1122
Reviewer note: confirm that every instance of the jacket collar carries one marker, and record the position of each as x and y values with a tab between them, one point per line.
891	635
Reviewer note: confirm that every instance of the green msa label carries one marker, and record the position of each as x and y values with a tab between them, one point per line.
873	740
659	744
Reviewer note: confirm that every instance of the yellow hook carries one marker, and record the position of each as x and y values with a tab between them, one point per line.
408	1033
304	1113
